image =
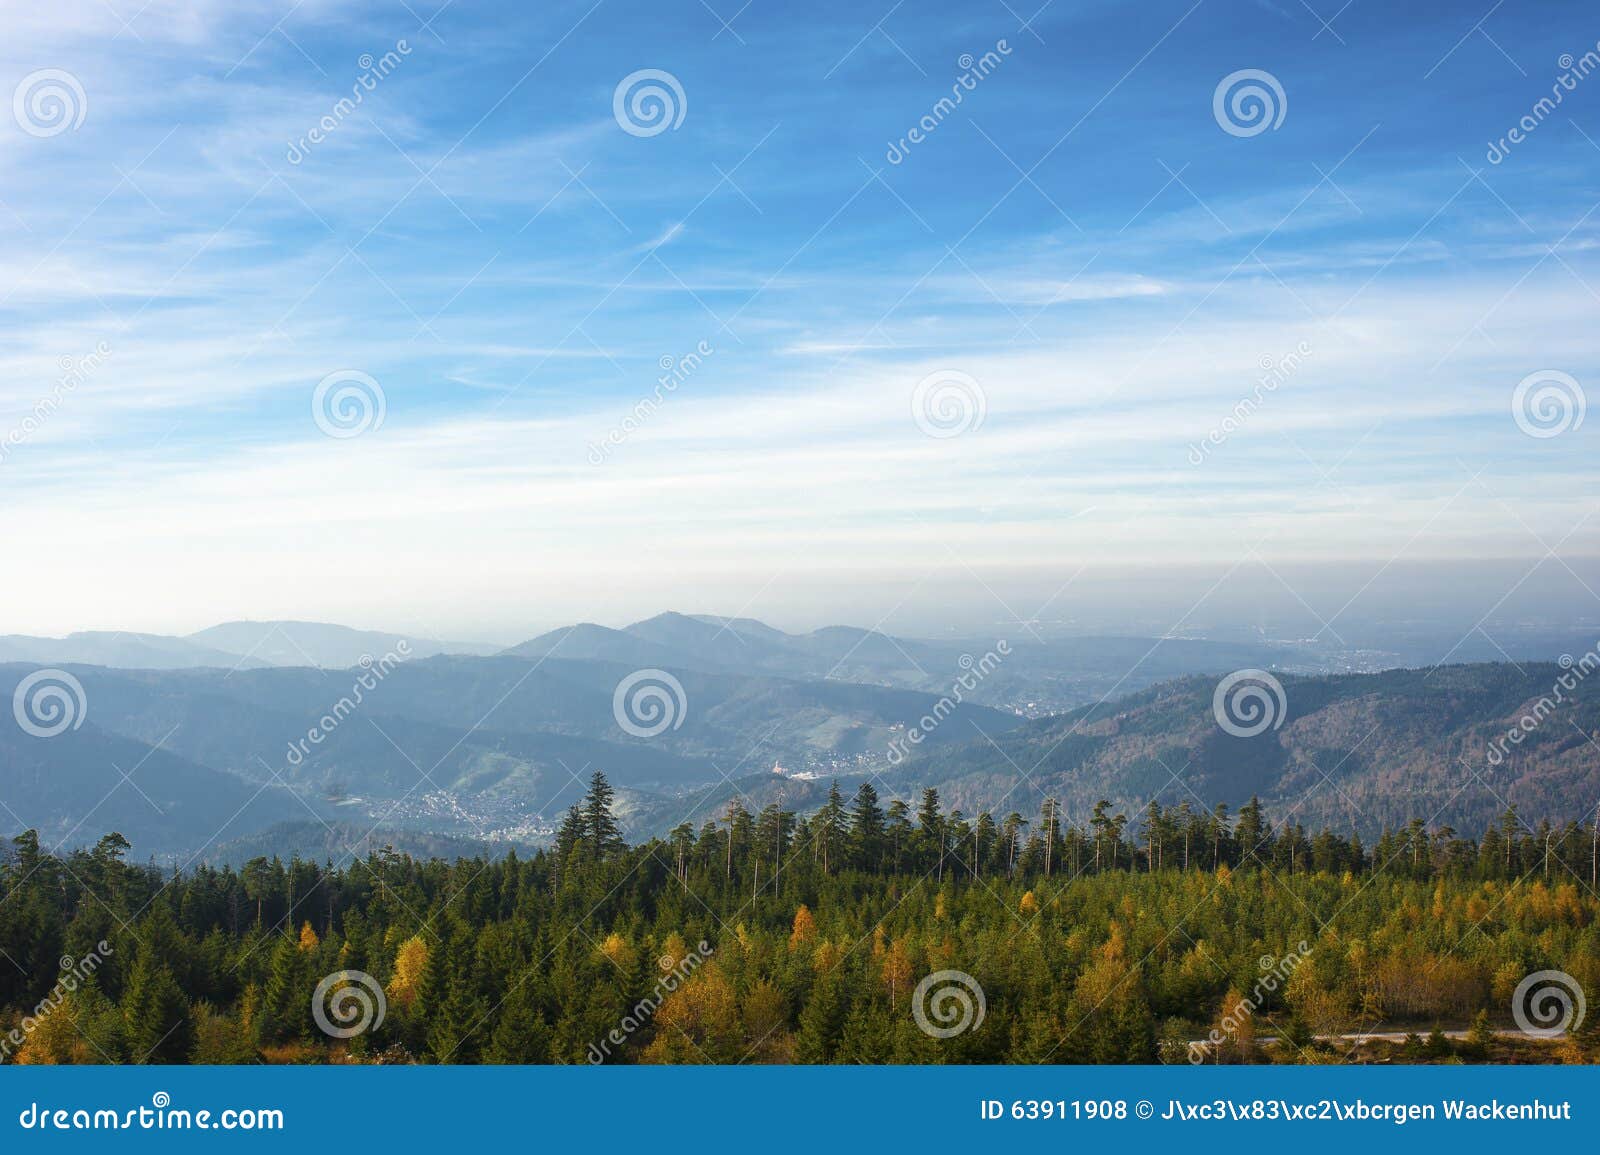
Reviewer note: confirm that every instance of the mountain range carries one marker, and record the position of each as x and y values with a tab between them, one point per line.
202	745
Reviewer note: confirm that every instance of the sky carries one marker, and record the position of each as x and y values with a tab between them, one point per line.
594	310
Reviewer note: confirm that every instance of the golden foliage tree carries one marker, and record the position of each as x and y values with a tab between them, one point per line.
409	964
804	930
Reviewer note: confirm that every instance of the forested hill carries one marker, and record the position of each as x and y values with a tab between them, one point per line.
1353	752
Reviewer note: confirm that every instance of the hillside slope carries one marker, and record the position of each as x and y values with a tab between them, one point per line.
1353	751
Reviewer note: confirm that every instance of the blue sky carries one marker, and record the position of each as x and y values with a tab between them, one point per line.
1079	246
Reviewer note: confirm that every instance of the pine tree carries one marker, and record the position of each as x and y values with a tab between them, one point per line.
157	1013
600	829
866	829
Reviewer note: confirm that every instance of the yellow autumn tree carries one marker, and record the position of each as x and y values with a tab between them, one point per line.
308	939
1237	1028
897	969
55	1040
409	963
673	952
616	949
1029	904
699	1022
826	958
805	929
